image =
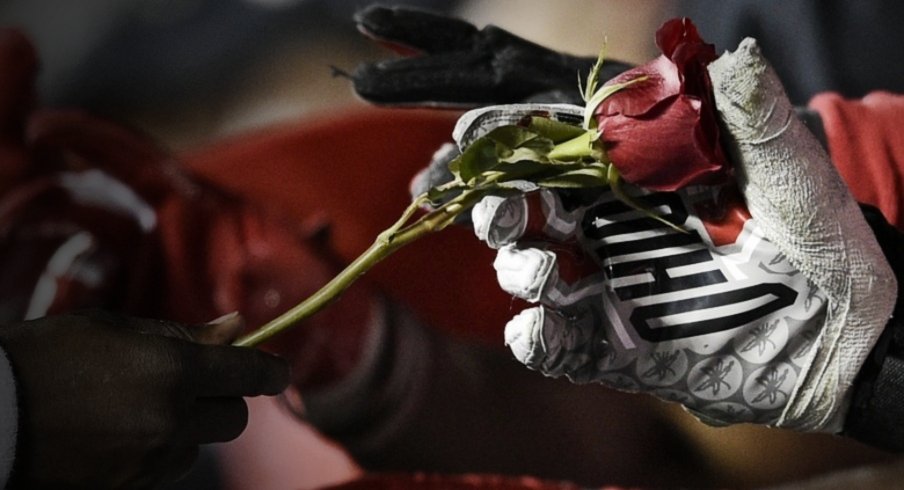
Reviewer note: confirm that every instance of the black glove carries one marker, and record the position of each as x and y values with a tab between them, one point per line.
463	66
116	402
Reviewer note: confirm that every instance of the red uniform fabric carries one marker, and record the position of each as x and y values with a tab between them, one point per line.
351	170
866	142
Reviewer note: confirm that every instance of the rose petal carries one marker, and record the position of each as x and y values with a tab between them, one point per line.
679	33
662	133
663	81
666	149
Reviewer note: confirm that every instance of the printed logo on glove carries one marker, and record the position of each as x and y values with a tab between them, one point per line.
715	318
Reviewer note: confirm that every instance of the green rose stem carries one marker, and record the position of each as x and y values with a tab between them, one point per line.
573	159
402	233
394	238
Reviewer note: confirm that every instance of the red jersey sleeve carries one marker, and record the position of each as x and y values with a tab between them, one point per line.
866	141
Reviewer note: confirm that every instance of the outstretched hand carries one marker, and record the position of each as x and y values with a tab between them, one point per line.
453	63
109	401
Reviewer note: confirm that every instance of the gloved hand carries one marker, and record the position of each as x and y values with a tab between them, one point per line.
455	64
760	317
110	401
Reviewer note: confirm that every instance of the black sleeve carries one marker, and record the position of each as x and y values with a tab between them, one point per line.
876	415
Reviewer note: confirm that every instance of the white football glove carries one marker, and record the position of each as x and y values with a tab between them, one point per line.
763	317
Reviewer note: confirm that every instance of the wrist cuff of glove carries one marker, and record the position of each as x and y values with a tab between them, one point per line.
877	407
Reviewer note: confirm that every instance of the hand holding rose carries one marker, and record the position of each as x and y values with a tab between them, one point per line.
108	401
763	316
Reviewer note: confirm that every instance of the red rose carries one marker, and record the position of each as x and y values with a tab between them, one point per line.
661	133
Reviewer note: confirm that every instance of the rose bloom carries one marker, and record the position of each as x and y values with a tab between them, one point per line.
662	133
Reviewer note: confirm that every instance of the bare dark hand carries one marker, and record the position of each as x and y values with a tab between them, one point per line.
110	401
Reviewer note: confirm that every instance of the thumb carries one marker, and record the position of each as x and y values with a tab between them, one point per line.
220	331
798	199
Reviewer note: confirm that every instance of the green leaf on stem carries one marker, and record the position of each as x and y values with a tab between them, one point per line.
502	144
521	169
593	175
440	194
511	136
476	159
556	131
535	150
593	78
577	148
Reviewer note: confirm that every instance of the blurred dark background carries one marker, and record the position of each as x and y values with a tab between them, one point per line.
190	72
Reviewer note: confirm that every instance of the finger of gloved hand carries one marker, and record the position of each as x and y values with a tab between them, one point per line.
464	67
500	221
523	273
415	30
477	123
818	226
436	173
237	371
558	343
217	419
533	217
552	274
539	258
458	79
